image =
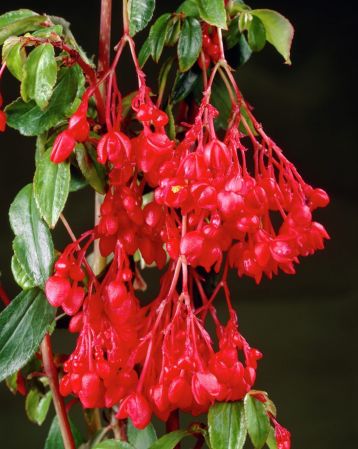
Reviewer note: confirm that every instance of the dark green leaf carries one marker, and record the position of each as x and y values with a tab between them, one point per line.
33	245
189	44
213	12
78	181
41	142
140	13
28	117
40	74
257	421
183	85
20	275
51	187
244	49
113	444
256	34
190	8
141	439
232	35
170	440
227	426
158	35
14	55
23	325
144	52
279	31
173	33
37	406
54	437
20	26
93	172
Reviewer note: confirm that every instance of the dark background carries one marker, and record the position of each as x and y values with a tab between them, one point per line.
305	325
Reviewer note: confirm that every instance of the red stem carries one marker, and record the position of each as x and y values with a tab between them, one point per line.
104	50
3	296
52	375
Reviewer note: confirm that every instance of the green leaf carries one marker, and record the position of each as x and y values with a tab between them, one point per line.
20	275
256	34
13	16
271	440
113	444
54	437
170	440
30	120
14	55
15	27
279	31
78	181
171	123
37	406
244	49
23	325
141	439
213	12
51	187
144	52
173	33
227	426
190	8
33	244
257	421
40	74
184	84
158	34
52	33
92	171
140	13
189	44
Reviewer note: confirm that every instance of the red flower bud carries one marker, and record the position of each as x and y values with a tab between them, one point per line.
136	407
57	290
63	146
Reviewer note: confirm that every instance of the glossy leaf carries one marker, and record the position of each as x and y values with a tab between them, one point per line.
20	275
189	44
51	188
227	426
33	245
23	325
92	171
256	34
170	440
30	120
279	31
213	12
140	13
113	444
183	85
158	35
14	55
257	421
173	33
37	406
144	52
14	25
54	437
190	8
40	74
141	439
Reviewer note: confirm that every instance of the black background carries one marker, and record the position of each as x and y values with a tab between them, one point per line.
305	324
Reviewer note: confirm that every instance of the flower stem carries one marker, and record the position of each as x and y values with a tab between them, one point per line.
173	424
52	375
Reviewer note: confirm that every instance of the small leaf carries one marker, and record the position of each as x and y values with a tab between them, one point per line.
279	31
140	13
258	424
190	8
173	33
227	426
93	172
23	325
30	120
141	439
37	406
20	275
184	84
170	440
54	437
113	444
144	52
14	25
213	12
14	55
189	44
244	49
33	244
52	33
40	74
256	34
51	188
271	439
158	35
171	123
